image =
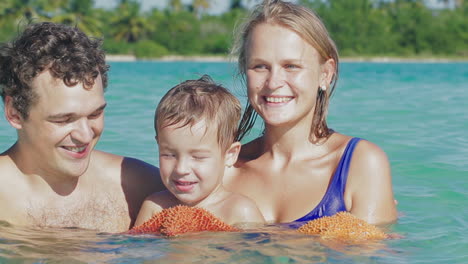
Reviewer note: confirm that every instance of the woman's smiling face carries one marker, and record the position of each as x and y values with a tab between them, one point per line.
283	75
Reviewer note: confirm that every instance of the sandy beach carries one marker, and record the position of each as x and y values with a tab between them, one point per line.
208	58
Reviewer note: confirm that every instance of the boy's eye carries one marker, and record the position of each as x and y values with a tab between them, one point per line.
291	66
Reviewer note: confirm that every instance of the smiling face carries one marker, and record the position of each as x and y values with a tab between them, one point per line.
62	128
191	161
283	75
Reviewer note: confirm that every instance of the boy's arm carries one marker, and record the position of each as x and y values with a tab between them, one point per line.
148	209
153	204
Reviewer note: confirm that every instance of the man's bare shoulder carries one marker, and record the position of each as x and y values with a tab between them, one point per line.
14	191
135	175
123	166
8	167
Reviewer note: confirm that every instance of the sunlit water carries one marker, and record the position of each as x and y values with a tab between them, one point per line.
418	113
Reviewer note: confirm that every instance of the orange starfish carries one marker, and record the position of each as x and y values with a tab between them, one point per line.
182	219
343	226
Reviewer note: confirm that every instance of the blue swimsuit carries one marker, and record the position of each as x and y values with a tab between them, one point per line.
333	200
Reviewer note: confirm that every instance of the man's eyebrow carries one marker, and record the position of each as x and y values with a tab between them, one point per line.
62	115
101	107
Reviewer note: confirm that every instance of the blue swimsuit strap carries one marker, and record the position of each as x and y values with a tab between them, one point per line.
337	186
341	174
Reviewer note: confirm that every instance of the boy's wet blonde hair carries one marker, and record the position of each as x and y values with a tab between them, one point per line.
194	100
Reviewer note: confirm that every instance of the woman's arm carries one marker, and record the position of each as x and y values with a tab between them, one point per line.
369	190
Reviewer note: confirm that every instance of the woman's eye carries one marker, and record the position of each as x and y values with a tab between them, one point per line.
260	67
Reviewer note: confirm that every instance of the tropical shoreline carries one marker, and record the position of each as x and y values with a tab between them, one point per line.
214	58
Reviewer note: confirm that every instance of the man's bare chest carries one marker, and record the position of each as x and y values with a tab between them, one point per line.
103	211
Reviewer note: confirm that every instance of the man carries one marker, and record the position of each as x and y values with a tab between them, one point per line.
52	80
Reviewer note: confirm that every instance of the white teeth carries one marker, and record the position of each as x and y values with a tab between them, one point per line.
75	149
184	183
278	99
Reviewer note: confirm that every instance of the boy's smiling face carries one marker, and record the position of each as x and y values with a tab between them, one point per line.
191	161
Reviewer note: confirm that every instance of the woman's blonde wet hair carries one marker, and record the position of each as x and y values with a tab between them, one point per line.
306	24
194	100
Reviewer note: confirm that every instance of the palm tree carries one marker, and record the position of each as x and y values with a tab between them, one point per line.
236	4
18	10
128	25
200	5
176	5
80	14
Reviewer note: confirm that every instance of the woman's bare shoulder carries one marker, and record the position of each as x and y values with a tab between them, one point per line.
370	155
370	184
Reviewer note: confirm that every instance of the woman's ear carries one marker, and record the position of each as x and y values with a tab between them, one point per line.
328	71
232	153
13	116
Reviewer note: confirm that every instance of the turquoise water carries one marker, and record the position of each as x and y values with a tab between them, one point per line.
417	112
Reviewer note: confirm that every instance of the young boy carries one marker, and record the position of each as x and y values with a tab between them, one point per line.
196	125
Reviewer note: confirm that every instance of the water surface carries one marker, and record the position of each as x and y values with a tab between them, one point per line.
416	112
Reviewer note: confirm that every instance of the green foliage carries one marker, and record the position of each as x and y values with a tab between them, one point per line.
216	44
112	46
179	32
359	27
395	28
7	31
128	25
149	49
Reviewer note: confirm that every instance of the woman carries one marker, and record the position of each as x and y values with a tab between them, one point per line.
300	169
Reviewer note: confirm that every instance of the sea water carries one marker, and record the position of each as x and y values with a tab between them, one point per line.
416	112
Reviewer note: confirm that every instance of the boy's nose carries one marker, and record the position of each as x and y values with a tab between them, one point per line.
182	167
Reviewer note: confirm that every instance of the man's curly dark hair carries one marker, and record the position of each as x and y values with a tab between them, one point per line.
66	51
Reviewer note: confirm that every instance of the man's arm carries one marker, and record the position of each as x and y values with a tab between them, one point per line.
139	180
